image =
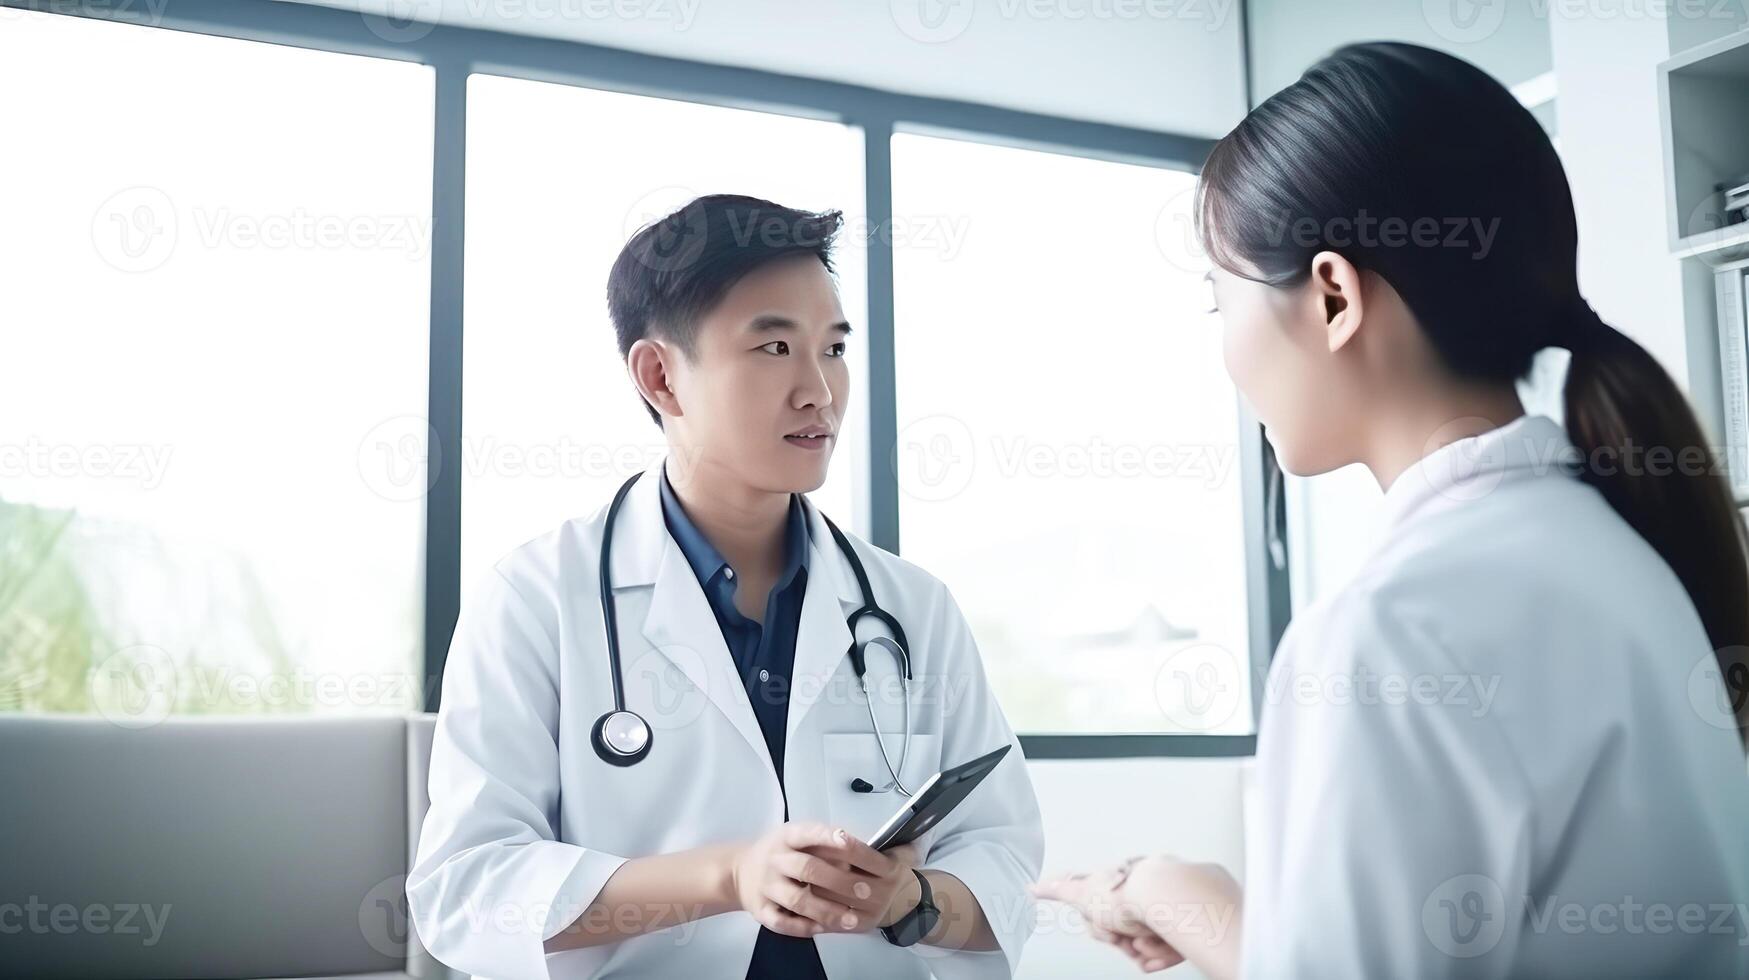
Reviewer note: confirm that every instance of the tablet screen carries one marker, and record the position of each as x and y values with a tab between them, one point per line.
935	800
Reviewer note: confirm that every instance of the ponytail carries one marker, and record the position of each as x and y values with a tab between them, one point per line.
1620	401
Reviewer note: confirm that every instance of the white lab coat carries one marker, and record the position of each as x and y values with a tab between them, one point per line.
527	822
1564	769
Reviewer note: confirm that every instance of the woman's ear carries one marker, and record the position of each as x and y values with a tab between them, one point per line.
647	363
1336	289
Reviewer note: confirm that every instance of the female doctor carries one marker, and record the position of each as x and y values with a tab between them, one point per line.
691	797
1394	240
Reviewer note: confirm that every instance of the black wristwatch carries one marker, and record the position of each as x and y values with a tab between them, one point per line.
918	922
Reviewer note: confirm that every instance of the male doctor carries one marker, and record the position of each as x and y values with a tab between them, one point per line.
734	846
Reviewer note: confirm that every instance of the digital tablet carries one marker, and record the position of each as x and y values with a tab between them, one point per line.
935	800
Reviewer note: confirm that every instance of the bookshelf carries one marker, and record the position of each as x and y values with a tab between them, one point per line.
1703	96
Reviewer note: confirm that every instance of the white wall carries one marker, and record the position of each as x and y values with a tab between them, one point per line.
1168	65
1508	38
1611	143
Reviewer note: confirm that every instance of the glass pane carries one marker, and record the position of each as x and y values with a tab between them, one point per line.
215	311
1068	440
558	178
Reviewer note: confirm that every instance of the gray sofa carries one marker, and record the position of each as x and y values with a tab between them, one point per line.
210	847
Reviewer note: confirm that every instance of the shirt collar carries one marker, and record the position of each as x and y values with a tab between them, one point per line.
707	562
1471	468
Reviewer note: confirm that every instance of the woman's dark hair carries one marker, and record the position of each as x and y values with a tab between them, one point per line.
1420	168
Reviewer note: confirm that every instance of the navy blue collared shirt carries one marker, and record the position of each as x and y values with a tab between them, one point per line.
764	656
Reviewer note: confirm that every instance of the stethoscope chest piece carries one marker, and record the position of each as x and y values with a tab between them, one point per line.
621	738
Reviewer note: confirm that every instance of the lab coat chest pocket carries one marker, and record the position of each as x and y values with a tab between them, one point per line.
854	755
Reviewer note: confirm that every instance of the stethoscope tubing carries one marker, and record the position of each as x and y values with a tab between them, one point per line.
899	661
896	645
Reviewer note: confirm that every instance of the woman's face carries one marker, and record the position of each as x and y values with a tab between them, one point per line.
1276	343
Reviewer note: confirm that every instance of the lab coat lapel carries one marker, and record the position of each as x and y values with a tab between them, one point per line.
679	623
824	637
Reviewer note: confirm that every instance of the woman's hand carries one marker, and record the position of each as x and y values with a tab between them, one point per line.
1159	911
1111	915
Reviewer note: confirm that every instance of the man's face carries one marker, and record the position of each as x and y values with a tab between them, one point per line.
764	392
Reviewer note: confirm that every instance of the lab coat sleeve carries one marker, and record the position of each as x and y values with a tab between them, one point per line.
993	842
1392	827
491	881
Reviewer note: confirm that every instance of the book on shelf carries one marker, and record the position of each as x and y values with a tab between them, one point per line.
1733	300
1735	195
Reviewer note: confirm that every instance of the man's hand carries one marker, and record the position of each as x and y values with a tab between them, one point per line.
802	879
889	889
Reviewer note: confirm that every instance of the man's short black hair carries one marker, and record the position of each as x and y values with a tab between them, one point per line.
675	269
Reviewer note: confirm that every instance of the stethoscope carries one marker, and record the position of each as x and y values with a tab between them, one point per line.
622	737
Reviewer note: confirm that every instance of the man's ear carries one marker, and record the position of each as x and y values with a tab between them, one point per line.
1336	289
648	362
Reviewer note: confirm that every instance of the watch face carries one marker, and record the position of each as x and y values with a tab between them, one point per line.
917	923
910	930
923	924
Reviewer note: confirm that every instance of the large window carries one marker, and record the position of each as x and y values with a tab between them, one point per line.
558	177
212	337
1068	443
297	339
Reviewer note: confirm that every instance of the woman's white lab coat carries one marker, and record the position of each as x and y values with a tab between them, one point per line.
1503	750
527	822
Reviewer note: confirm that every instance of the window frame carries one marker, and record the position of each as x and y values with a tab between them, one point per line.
455	52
